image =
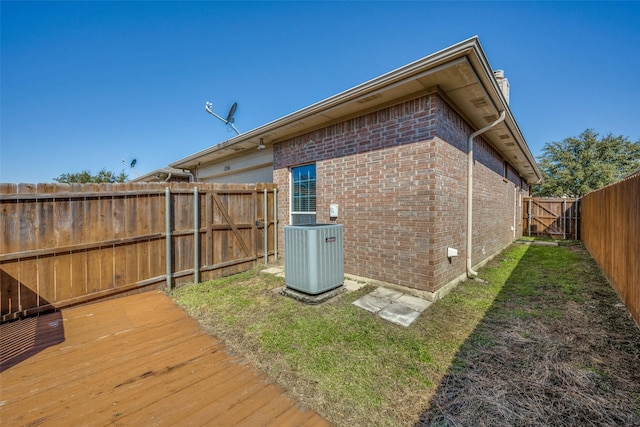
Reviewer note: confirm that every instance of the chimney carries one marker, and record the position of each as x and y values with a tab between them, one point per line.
503	83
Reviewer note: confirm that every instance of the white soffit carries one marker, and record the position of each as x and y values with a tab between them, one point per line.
461	72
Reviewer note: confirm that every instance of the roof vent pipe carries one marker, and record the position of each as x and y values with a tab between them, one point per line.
470	271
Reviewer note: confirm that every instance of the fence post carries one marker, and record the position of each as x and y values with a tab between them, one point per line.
167	193
196	237
266	227
275	224
208	220
564	218
529	219
576	207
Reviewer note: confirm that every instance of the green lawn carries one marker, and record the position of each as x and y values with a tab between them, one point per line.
357	369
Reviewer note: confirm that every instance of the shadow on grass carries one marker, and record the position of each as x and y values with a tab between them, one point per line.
554	348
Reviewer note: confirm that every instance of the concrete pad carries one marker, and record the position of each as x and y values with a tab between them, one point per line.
312	299
544	243
414	303
537	242
399	314
273	270
394	306
386	293
371	303
352	285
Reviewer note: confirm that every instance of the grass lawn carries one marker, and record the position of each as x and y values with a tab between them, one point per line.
543	343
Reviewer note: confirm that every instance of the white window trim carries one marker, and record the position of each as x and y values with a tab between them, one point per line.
291	212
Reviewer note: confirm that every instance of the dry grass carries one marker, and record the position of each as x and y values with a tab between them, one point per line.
544	343
558	351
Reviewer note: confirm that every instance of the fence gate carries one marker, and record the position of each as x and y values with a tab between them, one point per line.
551	217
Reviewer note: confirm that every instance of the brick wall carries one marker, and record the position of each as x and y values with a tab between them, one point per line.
405	123
399	178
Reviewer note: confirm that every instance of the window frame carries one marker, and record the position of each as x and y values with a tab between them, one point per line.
300	202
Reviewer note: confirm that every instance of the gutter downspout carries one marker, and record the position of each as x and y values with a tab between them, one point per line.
192	176
470	271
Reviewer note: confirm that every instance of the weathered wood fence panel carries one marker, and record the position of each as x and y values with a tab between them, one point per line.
66	244
551	217
611	234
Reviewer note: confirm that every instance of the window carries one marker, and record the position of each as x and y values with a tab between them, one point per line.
303	195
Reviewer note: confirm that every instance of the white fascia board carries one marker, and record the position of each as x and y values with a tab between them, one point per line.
364	89
510	122
469	48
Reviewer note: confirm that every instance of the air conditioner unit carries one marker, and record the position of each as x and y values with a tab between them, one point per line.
314	257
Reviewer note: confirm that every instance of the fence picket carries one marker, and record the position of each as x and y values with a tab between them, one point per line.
66	244
548	217
610	223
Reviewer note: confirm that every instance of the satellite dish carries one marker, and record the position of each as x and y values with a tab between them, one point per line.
232	111
229	120
132	165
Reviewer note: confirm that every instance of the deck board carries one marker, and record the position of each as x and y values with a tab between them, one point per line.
136	360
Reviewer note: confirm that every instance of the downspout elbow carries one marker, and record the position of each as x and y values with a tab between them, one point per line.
470	271
191	173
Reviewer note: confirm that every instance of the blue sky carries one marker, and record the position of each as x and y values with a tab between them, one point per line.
85	85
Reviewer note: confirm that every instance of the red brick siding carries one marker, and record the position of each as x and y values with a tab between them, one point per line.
400	124
399	178
493	201
449	227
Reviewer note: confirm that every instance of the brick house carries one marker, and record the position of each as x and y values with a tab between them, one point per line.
422	162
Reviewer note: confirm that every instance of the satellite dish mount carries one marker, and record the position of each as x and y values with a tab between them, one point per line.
229	120
132	165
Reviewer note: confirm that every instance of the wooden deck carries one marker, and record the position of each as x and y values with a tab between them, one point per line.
137	360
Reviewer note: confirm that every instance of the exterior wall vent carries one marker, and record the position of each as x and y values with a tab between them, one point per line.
314	257
479	102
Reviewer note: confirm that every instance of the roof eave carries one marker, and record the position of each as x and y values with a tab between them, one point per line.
490	81
359	91
294	123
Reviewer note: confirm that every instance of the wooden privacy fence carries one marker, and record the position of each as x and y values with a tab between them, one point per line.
611	234
67	244
551	217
